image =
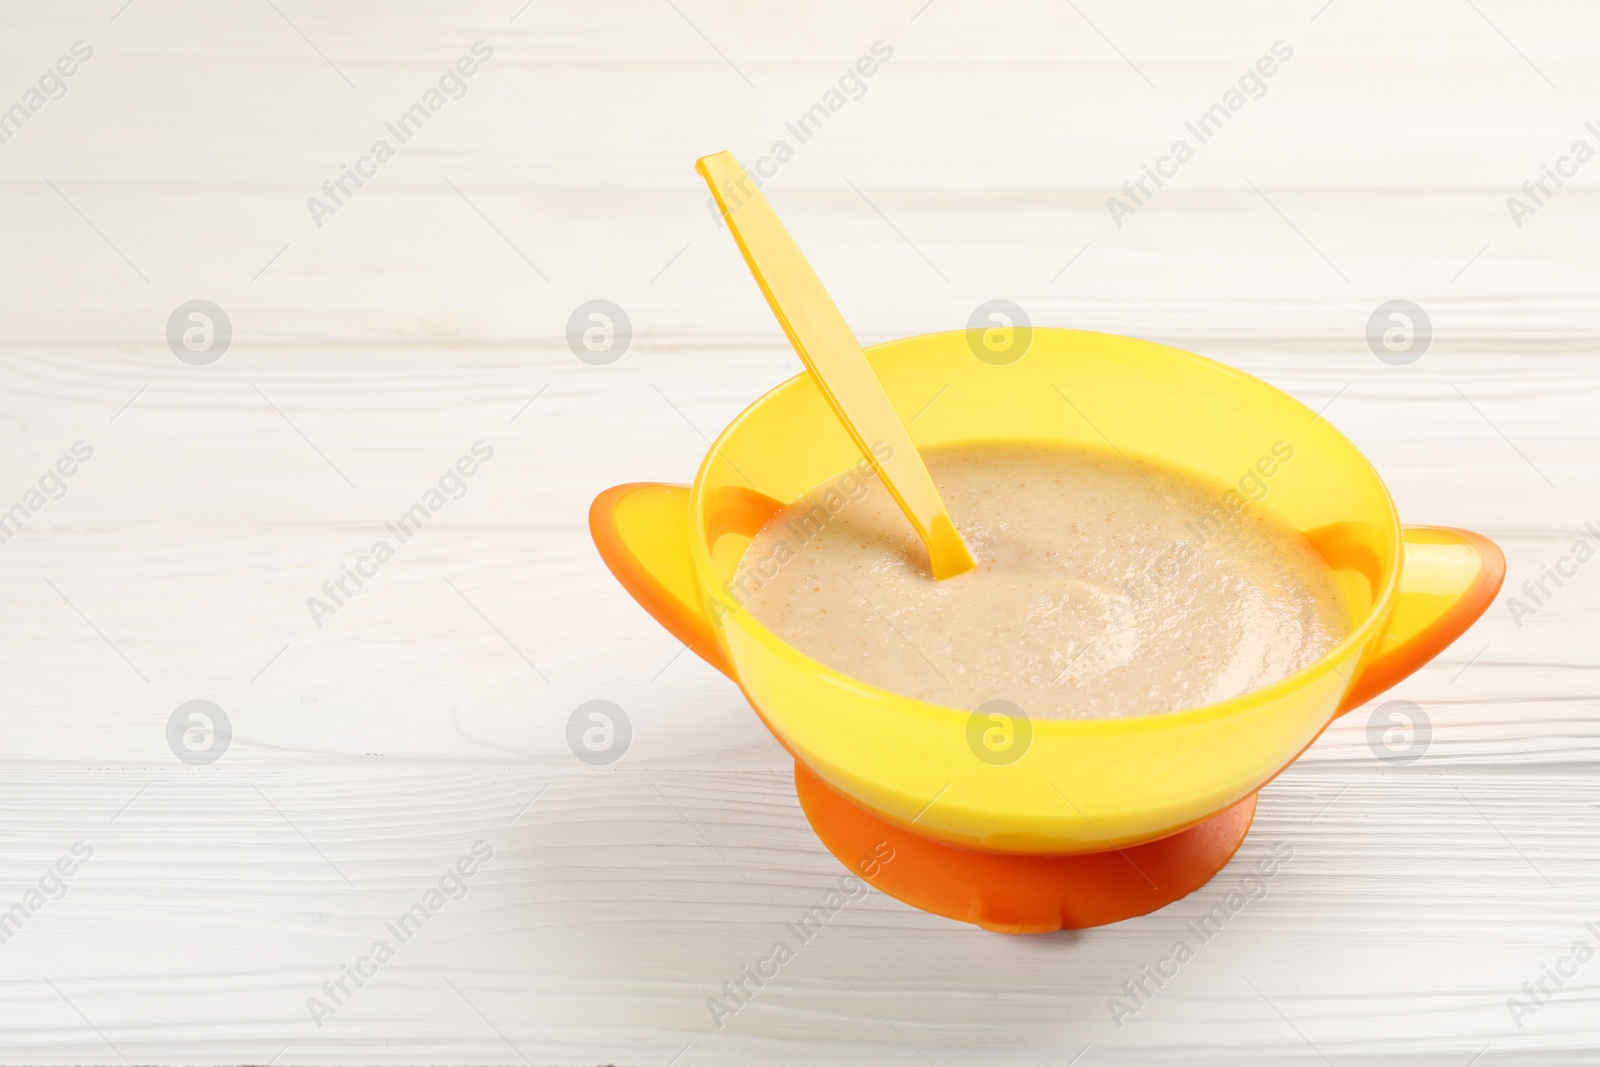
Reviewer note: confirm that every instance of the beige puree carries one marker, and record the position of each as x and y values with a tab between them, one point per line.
1104	588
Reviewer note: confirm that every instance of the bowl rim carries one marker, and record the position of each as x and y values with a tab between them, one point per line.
1353	648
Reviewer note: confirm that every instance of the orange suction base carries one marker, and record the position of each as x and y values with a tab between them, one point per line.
1021	894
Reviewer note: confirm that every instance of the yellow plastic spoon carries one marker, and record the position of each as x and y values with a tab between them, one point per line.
822	338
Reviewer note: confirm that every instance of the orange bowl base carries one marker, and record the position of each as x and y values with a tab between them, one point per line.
1015	893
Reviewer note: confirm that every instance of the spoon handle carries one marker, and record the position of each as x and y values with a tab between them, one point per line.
829	349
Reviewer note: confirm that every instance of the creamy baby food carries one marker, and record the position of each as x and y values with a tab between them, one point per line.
1105	586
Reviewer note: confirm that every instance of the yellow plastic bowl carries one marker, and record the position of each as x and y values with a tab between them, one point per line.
1081	786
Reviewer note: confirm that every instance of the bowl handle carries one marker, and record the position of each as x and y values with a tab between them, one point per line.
642	532
1448	579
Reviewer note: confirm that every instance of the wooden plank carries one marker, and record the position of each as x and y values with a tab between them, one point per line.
429	312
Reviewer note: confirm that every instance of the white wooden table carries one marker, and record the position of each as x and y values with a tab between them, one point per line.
429	711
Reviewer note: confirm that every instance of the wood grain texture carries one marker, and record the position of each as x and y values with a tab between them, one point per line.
371	752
